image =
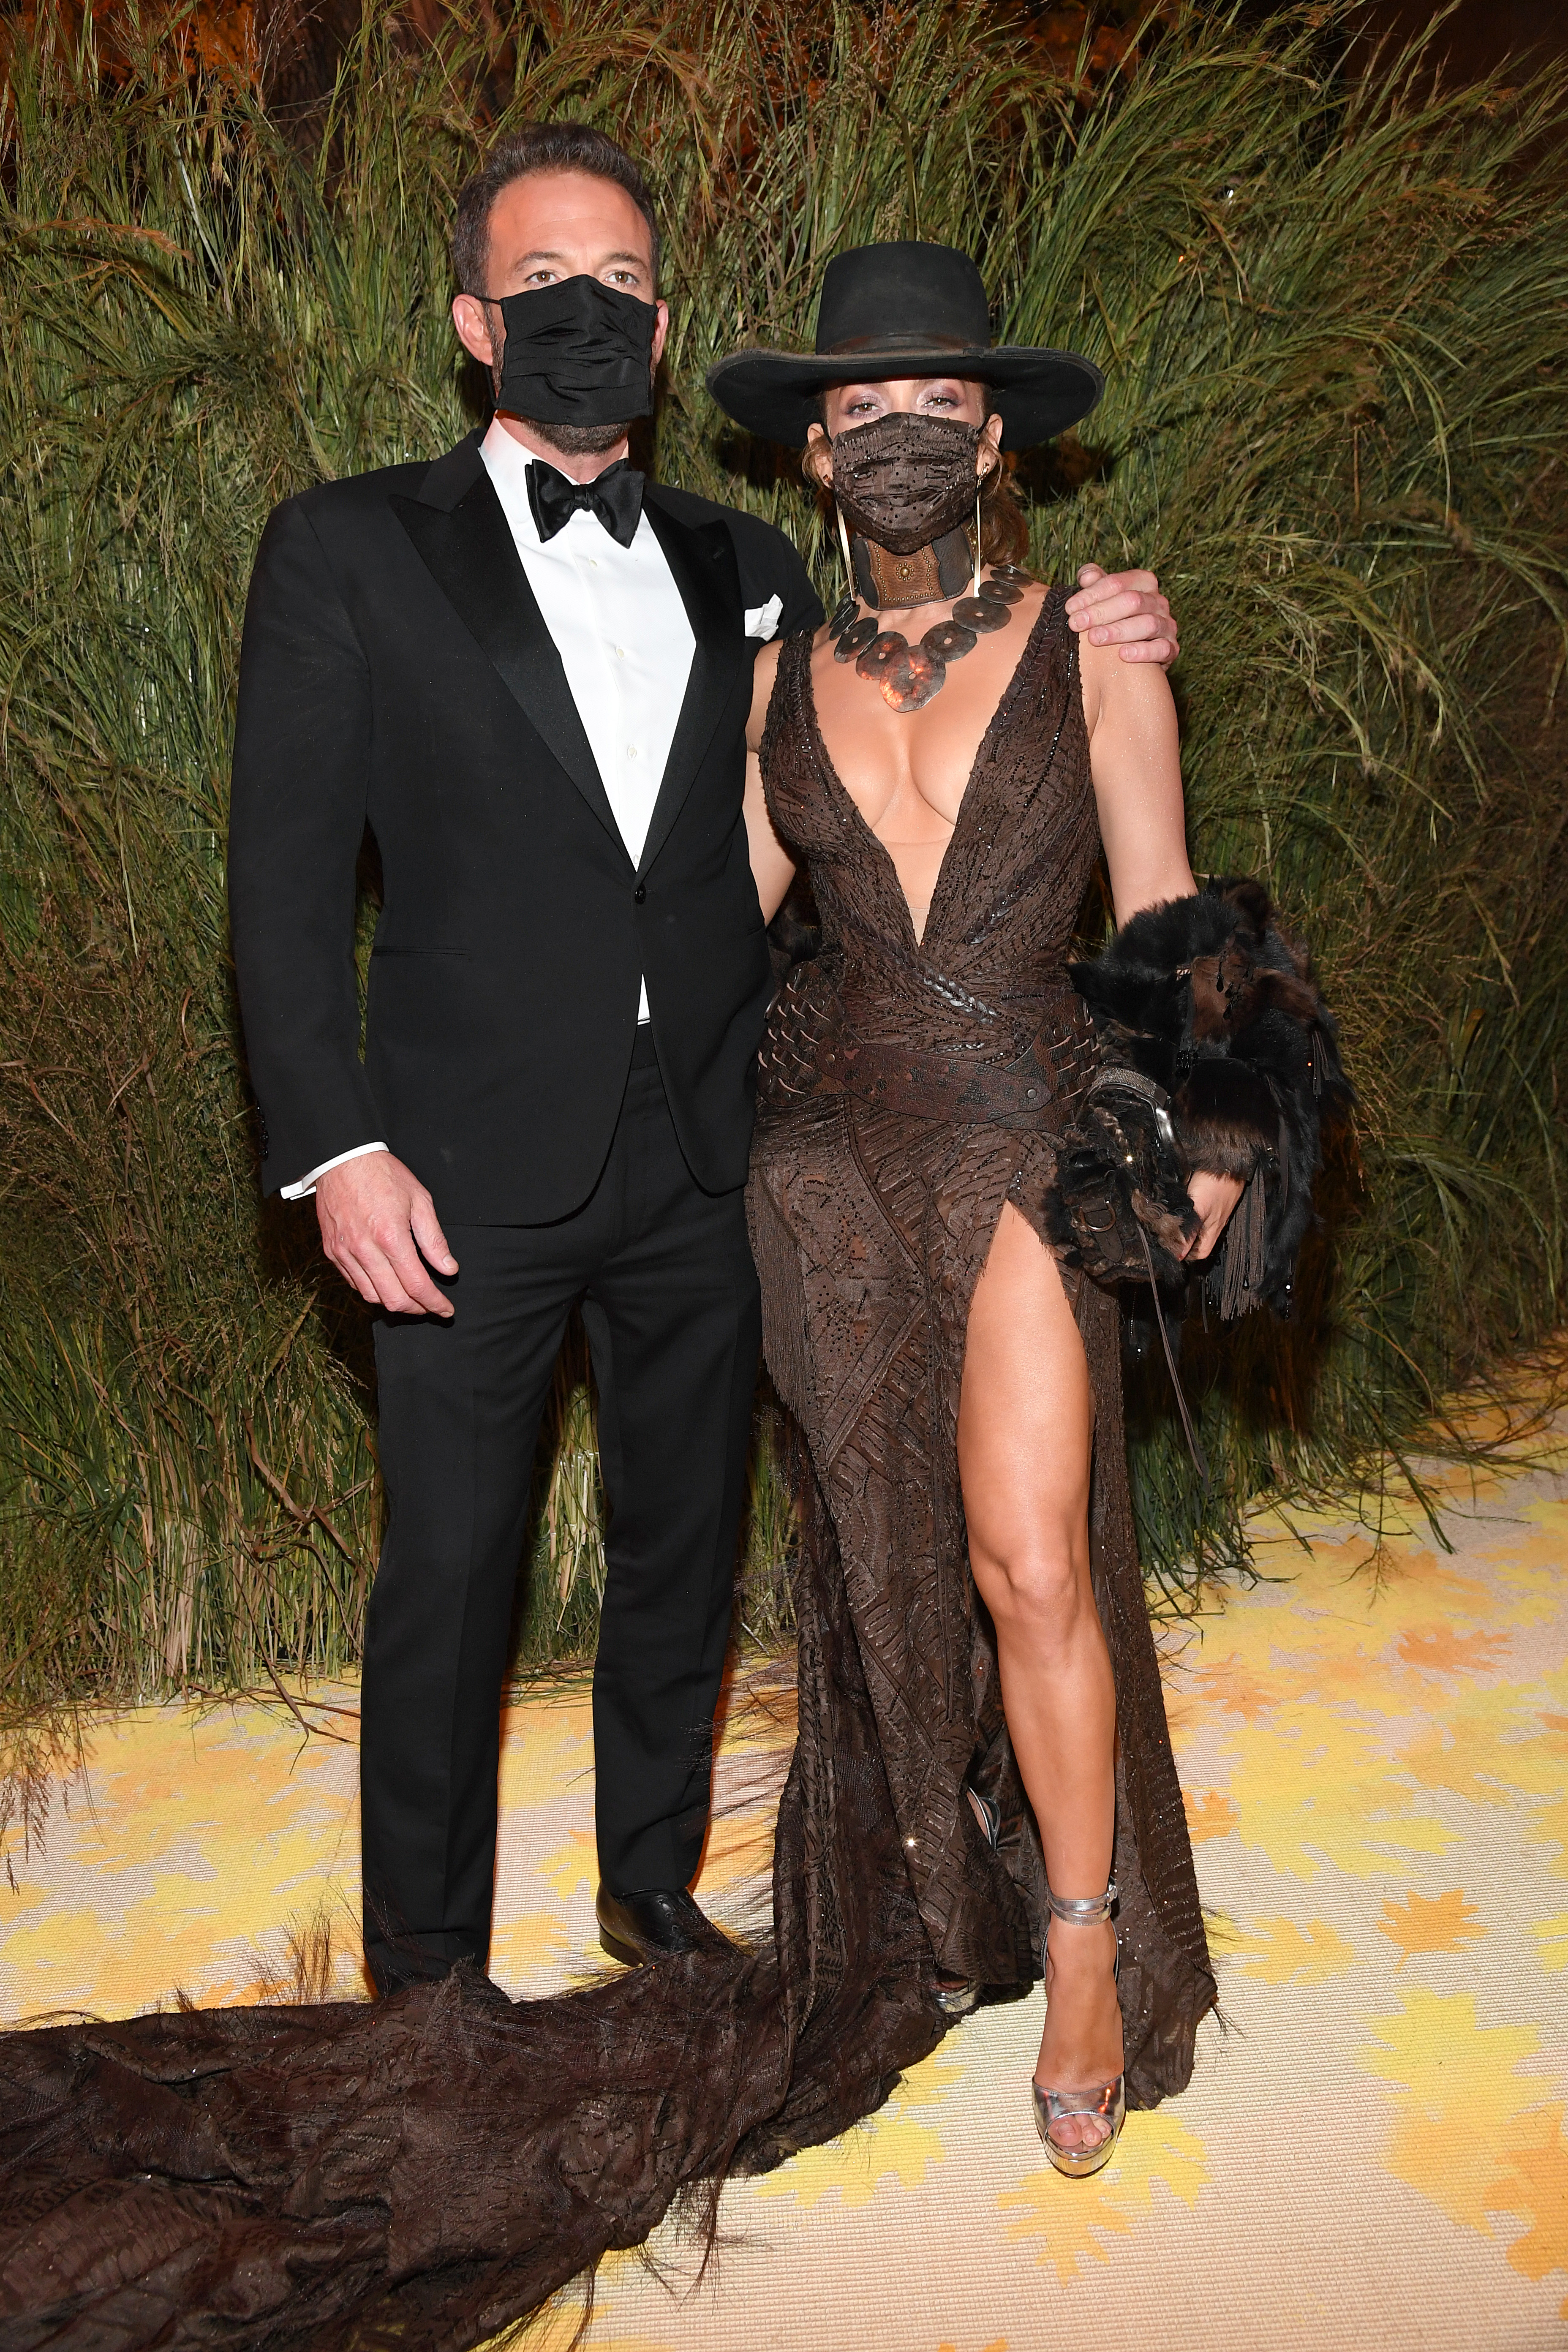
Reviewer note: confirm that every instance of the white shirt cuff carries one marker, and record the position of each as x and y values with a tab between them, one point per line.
762	620
307	1184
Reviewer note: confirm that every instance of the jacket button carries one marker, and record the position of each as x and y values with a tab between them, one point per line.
639	894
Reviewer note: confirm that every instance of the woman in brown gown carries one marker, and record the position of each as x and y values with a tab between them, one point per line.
957	1387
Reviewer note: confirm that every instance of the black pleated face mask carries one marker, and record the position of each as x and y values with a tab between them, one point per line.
577	353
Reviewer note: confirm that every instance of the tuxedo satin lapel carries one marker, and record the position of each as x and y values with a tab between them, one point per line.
702	564
467	551
451	478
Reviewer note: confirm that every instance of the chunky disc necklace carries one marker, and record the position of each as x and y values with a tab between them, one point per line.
908	676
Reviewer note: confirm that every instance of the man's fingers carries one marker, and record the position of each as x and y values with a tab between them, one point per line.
388	1274
1094	575
403	1287
1095	586
353	1274
1142	629
409	1270
1127	629
389	1293
371	1276
427	1232
417	1295
1138	623
1126	604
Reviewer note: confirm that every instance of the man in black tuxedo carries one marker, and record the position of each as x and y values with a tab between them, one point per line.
529	672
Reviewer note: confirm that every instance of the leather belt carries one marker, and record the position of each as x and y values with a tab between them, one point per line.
816	1057
954	1087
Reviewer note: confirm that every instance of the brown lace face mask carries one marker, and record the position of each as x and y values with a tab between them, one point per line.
902	481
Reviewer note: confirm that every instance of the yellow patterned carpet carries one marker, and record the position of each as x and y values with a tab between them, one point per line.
1371	2153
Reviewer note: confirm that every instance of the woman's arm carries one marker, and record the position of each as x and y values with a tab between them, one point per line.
1134	758
772	867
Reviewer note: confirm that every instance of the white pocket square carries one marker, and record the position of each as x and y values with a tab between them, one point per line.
762	620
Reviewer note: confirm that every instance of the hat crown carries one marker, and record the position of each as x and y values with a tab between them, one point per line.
900	297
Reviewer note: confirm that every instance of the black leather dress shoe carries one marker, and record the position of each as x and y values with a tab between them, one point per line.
656	1925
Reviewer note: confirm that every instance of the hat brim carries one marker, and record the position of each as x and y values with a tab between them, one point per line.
1038	394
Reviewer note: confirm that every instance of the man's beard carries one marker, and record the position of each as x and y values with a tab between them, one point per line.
578	440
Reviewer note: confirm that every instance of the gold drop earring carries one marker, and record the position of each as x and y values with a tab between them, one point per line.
846	611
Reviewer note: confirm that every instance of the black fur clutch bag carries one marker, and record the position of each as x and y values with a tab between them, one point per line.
1219	1054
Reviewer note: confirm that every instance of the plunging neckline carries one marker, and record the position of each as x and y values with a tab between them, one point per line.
983	751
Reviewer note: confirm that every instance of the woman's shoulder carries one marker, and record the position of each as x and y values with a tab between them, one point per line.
765	677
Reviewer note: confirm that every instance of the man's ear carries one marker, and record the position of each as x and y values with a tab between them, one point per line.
659	334
471	317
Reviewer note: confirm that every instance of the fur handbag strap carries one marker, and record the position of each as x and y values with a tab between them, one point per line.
1118	1207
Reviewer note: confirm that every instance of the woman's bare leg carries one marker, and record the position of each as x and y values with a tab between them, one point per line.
1026	1421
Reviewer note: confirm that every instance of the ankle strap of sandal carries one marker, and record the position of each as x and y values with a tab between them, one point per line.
1083	1910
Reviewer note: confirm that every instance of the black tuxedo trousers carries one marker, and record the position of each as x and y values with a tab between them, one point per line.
663	1274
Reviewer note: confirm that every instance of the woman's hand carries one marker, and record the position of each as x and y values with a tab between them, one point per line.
1214	1198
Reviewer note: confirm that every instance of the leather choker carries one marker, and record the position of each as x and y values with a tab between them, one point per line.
928	576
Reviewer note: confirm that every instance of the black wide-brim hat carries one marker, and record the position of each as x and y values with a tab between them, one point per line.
905	309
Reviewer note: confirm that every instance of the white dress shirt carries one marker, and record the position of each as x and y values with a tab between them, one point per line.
625	645
621	631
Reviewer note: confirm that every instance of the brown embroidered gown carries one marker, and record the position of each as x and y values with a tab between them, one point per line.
421	2172
871	1224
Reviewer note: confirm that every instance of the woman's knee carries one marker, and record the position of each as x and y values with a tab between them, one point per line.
1040	1583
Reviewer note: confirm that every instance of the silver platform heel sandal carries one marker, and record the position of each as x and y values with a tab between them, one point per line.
1106	2102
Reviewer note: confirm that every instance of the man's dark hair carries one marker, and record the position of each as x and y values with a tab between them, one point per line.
538	147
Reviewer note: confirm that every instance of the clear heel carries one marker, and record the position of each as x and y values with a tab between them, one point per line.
1104	2102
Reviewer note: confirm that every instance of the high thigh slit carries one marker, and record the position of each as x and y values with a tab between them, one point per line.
1038	1338
870	1227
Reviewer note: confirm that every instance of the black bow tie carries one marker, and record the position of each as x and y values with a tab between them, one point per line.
615	496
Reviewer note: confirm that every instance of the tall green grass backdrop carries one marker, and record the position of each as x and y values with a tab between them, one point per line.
1331	316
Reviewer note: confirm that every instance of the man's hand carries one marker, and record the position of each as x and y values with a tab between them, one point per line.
372	1212
1124	609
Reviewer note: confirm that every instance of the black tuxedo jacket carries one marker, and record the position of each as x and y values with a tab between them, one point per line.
397	670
